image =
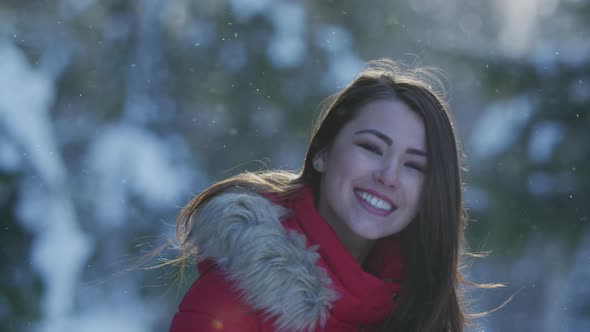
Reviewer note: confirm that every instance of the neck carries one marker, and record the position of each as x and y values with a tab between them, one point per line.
357	246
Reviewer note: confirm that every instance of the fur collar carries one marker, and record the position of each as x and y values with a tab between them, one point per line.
272	267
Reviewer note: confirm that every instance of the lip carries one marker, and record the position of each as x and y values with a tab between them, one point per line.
378	195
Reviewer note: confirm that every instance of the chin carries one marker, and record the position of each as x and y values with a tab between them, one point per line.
370	235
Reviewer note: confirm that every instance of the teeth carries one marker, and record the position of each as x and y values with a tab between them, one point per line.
374	201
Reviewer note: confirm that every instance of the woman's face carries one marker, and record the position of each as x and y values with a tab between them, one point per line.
373	172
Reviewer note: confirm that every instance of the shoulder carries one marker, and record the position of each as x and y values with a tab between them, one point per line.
271	267
237	207
213	304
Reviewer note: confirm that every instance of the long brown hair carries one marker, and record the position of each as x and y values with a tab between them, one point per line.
432	243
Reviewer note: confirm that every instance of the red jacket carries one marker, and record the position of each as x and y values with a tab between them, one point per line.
280	267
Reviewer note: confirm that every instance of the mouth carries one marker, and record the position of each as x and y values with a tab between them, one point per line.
375	203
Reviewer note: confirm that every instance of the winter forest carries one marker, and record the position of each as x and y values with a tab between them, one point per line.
113	114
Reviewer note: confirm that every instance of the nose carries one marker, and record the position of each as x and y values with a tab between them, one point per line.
388	174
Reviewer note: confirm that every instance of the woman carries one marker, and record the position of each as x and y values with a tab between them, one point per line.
367	237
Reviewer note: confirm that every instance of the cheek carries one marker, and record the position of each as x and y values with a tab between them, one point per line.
415	188
346	162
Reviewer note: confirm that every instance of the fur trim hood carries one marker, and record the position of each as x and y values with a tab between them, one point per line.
271	266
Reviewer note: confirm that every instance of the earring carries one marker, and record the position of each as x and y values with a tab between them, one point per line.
318	165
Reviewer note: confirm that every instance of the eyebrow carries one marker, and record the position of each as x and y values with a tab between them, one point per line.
389	141
377	133
417	152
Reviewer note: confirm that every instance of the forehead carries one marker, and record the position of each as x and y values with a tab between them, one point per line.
393	118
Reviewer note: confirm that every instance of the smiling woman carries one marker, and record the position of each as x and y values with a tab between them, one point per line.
367	236
373	176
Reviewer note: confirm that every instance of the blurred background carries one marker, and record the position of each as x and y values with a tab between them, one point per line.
114	113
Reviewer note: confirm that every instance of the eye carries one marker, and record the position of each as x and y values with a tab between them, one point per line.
418	167
371	147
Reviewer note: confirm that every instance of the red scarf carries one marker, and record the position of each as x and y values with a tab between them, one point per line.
365	296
